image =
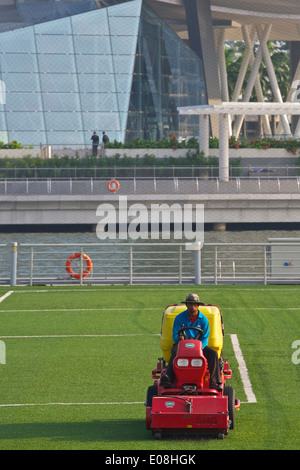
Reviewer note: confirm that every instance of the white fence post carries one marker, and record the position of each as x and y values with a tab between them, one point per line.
197	249
13	264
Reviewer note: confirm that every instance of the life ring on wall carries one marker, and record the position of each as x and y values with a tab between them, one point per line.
113	185
87	259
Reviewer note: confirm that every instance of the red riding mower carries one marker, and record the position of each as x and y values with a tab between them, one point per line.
191	406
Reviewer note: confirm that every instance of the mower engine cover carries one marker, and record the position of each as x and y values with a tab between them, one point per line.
190	364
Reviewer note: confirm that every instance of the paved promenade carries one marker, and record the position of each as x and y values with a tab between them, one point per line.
70	201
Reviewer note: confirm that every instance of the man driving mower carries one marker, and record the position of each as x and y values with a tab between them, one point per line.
192	317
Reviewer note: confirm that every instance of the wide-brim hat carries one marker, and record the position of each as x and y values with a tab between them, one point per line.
192	299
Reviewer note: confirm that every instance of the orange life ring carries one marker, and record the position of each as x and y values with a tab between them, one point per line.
113	185
89	265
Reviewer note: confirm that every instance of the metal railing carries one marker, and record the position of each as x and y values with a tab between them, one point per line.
151	263
112	263
182	185
5	264
153	171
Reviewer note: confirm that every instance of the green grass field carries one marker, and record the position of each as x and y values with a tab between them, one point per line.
79	362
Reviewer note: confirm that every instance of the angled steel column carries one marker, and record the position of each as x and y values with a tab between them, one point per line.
202	41
252	78
294	97
294	93
273	79
249	59
258	89
223	73
295	64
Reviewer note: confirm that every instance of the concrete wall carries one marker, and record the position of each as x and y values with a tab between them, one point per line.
19	153
219	208
277	156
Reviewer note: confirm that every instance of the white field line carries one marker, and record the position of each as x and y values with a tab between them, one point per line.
84	289
80	336
77	310
251	398
114	403
6	295
122	309
261	308
72	404
106	309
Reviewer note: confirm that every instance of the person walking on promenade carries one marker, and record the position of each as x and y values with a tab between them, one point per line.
95	139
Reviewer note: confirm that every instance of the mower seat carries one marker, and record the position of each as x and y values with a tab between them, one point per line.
216	333
190	364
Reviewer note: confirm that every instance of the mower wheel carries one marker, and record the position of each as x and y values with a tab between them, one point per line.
151	392
230	393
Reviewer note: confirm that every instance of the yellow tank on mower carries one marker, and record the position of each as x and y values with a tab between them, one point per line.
216	331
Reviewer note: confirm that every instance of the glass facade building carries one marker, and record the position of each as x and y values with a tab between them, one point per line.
69	68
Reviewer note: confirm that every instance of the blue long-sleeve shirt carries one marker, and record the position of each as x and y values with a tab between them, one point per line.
184	319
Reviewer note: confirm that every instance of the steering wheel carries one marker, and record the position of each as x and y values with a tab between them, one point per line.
196	328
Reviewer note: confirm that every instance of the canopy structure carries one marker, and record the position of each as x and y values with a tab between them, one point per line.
208	24
226	109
